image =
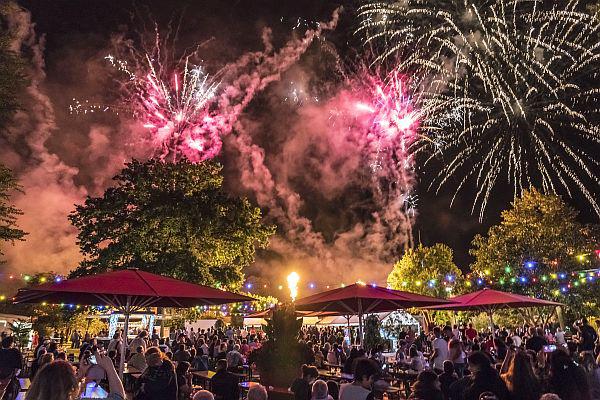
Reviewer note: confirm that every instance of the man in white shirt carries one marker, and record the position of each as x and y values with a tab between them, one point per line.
440	351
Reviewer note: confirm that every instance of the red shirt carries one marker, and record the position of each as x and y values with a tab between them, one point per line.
471	333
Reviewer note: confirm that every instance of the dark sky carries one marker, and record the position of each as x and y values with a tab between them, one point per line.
87	24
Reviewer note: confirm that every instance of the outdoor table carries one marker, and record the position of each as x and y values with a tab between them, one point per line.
204	377
245	386
406	377
331	366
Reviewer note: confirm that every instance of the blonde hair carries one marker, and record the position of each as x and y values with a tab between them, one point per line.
54	381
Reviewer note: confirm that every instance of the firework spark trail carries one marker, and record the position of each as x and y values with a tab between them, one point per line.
186	111
512	87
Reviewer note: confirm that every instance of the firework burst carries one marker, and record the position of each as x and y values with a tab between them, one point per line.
511	86
186	111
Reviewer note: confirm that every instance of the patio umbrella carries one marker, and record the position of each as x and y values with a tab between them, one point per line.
358	299
489	300
128	291
266	314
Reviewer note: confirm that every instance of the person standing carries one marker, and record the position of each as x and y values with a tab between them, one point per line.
587	336
440	351
470	333
75	339
11	362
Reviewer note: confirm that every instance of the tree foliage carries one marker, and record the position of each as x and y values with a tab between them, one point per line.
536	239
12	72
425	269
8	212
372	334
282	355
173	219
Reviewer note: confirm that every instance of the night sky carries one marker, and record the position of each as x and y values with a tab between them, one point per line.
81	27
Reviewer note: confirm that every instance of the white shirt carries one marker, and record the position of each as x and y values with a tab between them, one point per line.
441	346
517	341
205	349
350	391
560	337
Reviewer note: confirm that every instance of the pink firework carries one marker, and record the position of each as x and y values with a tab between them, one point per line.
175	107
391	120
186	112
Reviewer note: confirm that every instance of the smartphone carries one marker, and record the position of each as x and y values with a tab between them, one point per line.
92	360
549	348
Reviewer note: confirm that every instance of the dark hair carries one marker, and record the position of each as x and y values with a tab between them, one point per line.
181	347
7	341
365	367
182	367
480	359
334	389
221	364
309	371
426	378
448	367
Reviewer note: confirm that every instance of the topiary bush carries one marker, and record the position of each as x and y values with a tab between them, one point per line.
281	356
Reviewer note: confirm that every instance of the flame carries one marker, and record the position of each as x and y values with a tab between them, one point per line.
292	280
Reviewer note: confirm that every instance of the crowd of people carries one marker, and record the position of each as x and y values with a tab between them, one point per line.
460	363
449	363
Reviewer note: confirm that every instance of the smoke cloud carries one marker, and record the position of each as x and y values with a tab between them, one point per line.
334	186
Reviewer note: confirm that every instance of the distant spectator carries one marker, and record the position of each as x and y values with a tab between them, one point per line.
483	378
447	378
224	384
203	395
320	391
301	387
427	386
257	392
366	372
138	360
567	379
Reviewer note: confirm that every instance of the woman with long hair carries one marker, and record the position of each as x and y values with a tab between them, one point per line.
519	377
57	381
567	379
158	381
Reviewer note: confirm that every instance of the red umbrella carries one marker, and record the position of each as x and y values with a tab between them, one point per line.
358	299
489	300
128	291
268	312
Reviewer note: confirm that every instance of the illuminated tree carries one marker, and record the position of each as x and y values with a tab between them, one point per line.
426	270
535	250
173	219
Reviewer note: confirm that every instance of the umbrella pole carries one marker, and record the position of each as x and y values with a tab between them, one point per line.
126	312
360	323
490	314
